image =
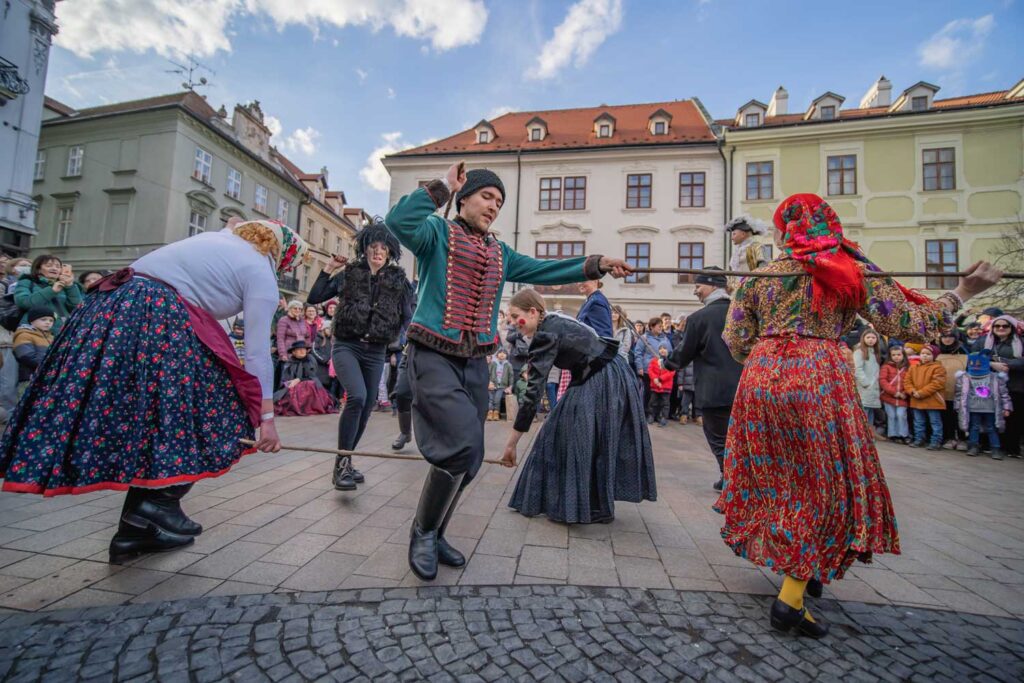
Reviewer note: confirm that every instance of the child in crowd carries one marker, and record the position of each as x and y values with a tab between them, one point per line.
237	337
894	396
867	363
925	384
301	392
661	387
983	402
500	383
687	393
31	341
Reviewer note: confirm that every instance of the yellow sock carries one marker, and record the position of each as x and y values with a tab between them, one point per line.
792	592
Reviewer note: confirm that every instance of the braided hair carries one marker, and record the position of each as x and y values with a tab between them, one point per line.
377	231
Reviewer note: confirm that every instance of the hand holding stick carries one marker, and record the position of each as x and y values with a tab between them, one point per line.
455	182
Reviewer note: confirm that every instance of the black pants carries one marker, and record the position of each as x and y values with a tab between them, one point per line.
393	375
659	405
402	393
674	402
646	381
951	424
716	427
1014	425
358	366
449	408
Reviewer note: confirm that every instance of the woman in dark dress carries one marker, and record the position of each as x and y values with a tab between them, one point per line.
594	447
374	306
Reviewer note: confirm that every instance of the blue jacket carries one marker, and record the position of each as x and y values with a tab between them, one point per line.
642	355
597	312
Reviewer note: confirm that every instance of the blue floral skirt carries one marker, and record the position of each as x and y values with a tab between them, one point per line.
127	396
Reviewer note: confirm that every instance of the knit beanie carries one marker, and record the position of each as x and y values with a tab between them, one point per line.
934	349
979	363
476	180
37	312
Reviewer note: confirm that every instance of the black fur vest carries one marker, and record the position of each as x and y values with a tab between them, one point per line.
357	317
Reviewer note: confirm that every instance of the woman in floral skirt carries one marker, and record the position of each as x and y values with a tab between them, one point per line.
142	390
804	491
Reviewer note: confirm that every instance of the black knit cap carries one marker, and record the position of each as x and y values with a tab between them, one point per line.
476	180
713	280
377	231
37	312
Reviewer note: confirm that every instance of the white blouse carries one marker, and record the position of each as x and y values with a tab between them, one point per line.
224	275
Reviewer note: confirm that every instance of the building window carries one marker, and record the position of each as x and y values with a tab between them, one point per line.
559	250
842	174
659	127
337	244
323	239
261	199
939	169
234	183
828	113
638	255
309	230
40	169
483	137
64	216
752	121
283	207
305	279
691	190
638	191
604	131
550	194
919	103
575	195
202	167
535	134
691	255
75	156
759	179
196	223
941	256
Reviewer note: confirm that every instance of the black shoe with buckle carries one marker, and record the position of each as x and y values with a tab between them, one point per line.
784	618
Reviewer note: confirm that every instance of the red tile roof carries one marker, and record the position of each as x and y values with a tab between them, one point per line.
574	128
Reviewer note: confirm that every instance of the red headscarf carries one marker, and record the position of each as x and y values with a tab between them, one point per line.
813	236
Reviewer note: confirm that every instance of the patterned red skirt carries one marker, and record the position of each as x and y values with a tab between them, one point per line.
804	492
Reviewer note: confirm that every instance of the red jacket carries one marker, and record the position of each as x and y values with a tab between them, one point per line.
890	381
660	376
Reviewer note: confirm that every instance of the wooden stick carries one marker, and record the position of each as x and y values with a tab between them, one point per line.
363	454
744	273
448	206
631	326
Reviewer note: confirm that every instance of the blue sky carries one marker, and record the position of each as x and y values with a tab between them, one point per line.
346	80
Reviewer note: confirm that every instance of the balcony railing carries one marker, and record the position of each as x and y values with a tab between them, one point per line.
288	283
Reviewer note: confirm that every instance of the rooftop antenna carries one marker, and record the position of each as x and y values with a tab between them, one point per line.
190	72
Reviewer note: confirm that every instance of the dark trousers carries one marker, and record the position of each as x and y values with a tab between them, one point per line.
716	427
1014	432
687	407
402	395
659	405
449	409
951	423
358	366
647	393
393	375
675	400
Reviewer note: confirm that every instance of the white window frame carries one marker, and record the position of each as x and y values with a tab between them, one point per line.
757	120
831	112
76	154
202	166
233	183
604	130
65	218
283	207
197	223
483	137
535	134
660	128
259	205
39	171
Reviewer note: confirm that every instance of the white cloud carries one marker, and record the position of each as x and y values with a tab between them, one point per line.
391	93
361	74
274	124
302	140
200	27
499	111
373	173
587	24
957	43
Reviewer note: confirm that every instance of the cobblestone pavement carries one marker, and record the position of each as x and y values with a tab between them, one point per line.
275	524
469	633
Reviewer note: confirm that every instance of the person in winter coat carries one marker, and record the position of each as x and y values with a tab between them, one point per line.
925	383
687	405
622	333
953	357
1006	339
290	329
500	382
301	392
32	340
646	350
50	284
15	268
595	311
867	363
983	402
893	393
661	380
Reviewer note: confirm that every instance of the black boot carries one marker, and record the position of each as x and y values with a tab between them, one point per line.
783	618
343	479
160	508
131	541
439	490
404	429
721	474
357	476
814	588
446	554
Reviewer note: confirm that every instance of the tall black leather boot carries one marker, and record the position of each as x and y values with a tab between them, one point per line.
446	554
343	479
159	508
404	430
439	490
131	541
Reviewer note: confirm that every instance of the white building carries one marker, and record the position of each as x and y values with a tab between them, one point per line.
644	182
27	28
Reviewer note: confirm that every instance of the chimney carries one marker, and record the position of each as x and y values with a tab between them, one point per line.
878	95
779	103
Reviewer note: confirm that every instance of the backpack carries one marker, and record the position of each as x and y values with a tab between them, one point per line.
10	313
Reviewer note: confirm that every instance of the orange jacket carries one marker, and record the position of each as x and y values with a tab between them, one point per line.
929	380
662	376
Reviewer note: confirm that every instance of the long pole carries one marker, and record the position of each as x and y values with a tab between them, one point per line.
362	454
743	273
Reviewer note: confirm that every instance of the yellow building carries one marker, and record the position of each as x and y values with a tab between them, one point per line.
921	183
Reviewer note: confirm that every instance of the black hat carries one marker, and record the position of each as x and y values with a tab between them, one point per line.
300	344
713	280
993	311
476	180
377	231
37	312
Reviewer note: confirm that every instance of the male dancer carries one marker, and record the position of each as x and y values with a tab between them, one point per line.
463	270
746	252
716	373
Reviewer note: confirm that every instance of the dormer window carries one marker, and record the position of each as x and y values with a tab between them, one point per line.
828	113
604	125
917	97
484	132
483	137
535	134
751	114
537	129
825	107
658	122
752	121
919	103
605	131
